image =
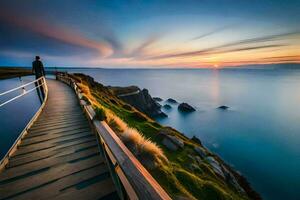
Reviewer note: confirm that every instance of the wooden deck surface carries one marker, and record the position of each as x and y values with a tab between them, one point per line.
59	157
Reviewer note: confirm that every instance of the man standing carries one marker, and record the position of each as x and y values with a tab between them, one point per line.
38	68
39	71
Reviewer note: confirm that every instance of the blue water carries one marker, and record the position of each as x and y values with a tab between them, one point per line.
15	115
259	135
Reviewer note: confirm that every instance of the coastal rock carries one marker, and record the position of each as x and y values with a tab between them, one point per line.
167	106
197	140
198	159
200	151
157	99
140	99
216	166
232	180
172	142
223	107
194	167
184	107
161	115
170	100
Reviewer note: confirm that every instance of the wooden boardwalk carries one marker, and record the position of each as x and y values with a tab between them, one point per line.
59	157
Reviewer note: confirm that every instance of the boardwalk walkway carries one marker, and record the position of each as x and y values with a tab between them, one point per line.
59	157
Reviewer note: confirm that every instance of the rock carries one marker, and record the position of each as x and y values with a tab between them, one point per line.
216	166
198	159
157	99
172	142
197	140
223	107
184	107
158	105
161	115
200	151
170	100
232	180
167	106
141	100
193	166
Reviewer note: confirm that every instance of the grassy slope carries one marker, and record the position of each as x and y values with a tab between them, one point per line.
11	72
177	177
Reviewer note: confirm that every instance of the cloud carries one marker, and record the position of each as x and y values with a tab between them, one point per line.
215	31
240	45
144	45
55	32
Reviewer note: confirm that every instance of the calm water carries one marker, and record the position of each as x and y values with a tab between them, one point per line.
14	116
259	135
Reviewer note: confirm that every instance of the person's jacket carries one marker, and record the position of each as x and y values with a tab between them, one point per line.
38	68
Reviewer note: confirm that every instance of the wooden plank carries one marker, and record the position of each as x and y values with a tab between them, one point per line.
38	147
46	177
17	172
53	139
70	121
51	147
59	126
61	130
39	155
96	191
61	184
61	117
43	138
56	121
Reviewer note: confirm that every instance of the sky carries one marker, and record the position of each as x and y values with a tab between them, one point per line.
149	33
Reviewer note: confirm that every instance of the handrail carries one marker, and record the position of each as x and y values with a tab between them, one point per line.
24	93
133	180
22	86
13	148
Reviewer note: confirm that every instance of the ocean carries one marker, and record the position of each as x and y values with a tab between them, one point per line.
259	135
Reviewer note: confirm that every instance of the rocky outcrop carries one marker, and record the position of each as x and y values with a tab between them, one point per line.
201	152
170	100
142	100
167	106
184	107
157	99
223	107
172	142
215	166
197	140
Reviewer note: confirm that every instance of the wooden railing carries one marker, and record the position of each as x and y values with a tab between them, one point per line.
132	180
39	84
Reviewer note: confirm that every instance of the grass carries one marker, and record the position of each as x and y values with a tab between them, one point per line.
100	114
177	172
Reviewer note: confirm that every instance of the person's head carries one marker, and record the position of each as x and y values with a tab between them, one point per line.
37	58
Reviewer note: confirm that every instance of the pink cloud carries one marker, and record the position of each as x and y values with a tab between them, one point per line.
56	32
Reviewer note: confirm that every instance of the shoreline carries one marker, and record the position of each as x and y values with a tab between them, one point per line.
189	164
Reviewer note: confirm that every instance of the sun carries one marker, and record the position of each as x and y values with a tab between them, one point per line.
216	66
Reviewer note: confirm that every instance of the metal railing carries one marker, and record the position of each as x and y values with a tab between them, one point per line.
131	179
39	84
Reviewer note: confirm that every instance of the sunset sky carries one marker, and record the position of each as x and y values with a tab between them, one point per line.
157	33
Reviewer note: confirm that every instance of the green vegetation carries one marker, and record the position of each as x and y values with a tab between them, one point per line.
100	114
11	72
86	100
182	176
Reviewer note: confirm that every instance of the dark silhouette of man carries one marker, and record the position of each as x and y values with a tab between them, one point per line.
38	68
39	71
